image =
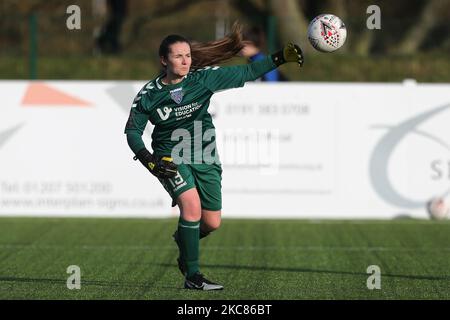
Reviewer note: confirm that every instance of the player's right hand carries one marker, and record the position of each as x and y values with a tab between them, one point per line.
161	167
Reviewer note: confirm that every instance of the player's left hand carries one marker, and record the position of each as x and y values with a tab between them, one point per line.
290	53
293	53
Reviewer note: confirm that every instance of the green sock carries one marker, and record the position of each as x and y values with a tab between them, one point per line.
188	233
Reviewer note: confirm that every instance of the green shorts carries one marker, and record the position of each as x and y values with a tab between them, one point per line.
206	178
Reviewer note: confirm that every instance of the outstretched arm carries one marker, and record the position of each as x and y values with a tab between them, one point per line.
220	78
289	53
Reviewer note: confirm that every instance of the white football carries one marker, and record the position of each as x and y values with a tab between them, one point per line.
327	33
438	208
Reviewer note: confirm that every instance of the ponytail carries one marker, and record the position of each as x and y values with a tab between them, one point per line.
216	52
208	53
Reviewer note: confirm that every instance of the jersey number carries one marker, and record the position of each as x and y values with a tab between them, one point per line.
177	180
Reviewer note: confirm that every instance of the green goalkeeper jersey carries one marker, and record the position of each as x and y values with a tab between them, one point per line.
180	111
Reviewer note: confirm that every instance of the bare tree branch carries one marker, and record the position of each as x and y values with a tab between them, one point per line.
255	13
292	22
364	43
161	10
416	35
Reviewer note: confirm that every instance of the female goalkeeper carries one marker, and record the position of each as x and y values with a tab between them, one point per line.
176	102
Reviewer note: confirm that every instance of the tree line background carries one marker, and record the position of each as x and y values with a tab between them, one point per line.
413	42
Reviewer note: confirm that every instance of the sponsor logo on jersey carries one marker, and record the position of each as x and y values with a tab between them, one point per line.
186	111
164	115
177	95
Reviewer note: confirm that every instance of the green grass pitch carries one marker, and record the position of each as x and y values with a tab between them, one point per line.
253	259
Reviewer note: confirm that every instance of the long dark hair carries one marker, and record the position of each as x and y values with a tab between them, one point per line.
208	53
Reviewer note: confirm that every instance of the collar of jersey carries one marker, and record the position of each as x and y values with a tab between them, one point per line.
162	86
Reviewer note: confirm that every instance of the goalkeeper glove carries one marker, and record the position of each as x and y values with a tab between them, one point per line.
160	167
290	53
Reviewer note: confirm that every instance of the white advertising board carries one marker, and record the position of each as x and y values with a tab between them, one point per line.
291	150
